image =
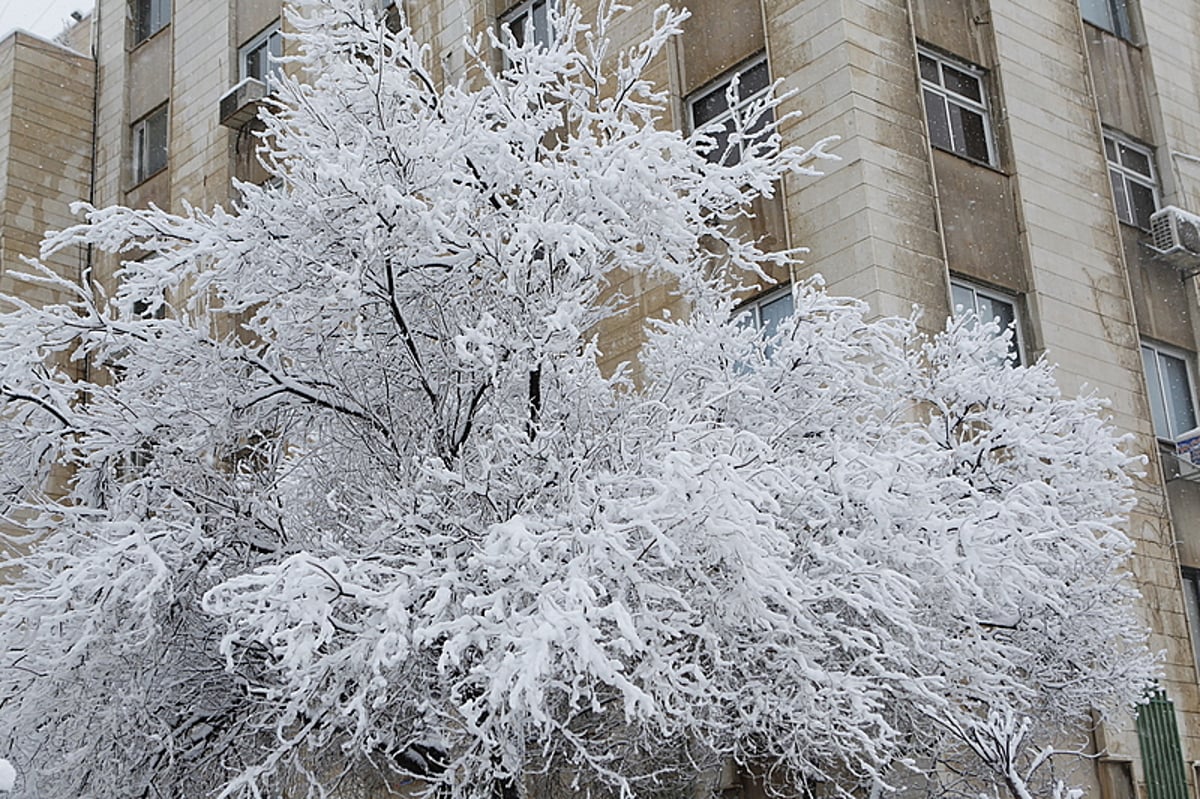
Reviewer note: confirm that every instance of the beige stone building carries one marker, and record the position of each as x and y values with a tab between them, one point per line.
1007	155
46	108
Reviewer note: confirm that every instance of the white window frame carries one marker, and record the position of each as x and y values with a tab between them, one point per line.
523	15
141	150
1160	351
1125	174
752	308
950	97
1116	16
270	38
1011	300
149	17
731	114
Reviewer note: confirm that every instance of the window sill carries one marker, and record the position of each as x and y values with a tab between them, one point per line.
969	160
1142	231
147	178
143	42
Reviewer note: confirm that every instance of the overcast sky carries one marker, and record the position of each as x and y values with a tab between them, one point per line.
46	18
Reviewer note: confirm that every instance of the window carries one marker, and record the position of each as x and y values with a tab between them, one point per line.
1191	603
1135	187
956	108
765	313
259	57
1116	779
988	304
528	19
150	144
1112	15
710	107
149	17
1169	383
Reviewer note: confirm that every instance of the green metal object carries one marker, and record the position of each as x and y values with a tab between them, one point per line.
1162	756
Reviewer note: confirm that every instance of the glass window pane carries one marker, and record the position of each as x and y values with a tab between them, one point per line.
1135	159
1158	409
929	70
721	152
1178	392
962	298
541	24
516	27
1097	12
1120	11
1141	202
253	63
970	133
1191	596
753	80
773	312
1118	187
1110	150
961	83
939	125
156	142
1005	315
710	106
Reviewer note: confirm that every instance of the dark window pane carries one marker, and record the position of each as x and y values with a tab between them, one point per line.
1137	161
516	27
939	125
929	70
962	83
1177	391
710	106
970	133
1158	408
753	81
1141	201
254	63
1110	150
1120	12
156	142
1118	187
541	24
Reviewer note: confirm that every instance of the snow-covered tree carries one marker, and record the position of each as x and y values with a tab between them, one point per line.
353	508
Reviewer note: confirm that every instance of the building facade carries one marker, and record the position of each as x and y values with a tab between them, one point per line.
1008	156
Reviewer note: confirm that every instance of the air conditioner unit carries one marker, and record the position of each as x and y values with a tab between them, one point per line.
1175	232
240	104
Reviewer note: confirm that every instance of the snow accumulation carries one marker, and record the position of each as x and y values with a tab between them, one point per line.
8	776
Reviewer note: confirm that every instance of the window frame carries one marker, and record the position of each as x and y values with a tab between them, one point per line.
144	14
754	306
139	147
526	12
1119	20
948	97
1167	351
720	85
273	69
1189	582
1127	174
994	295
